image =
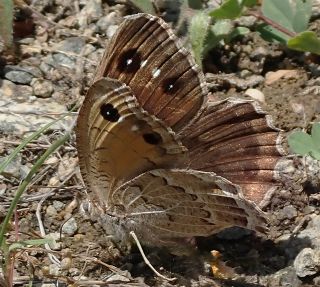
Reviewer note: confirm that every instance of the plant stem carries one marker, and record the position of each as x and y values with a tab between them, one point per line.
27	180
270	22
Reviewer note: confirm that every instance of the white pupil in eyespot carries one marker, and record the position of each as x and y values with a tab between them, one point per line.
129	62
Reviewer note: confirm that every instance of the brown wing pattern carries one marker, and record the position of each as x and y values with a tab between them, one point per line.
180	203
161	73
236	140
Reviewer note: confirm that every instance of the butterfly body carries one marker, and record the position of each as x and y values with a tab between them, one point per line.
160	158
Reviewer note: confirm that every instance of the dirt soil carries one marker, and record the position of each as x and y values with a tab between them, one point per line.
57	47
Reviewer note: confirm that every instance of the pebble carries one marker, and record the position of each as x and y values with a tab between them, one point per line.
255	94
72	44
289	212
51	211
42	88
21	112
66	263
54	244
307	262
285	278
70	226
19	77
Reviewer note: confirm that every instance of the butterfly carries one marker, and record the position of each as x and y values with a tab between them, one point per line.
160	158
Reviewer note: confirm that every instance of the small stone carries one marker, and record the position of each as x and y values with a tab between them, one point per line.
273	77
66	263
42	88
19	77
70	227
255	94
307	262
54	270
72	44
13	168
51	211
284	278
54	244
288	212
58	205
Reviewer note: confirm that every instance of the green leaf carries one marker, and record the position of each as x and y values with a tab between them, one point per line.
271	34
30	242
145	6
217	33
292	15
302	15
315	133
306	42
238	31
198	31
280	11
195	4
300	142
230	9
6	21
250	3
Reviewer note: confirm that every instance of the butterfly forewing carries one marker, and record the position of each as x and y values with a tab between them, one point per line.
161	73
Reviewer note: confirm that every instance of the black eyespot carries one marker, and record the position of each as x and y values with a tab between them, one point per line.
130	61
171	85
109	113
152	138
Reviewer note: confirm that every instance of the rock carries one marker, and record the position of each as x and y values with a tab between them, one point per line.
93	9
19	77
54	244
21	74
54	270
255	94
284	278
70	226
51	211
307	262
58	205
288	212
312	231
72	44
42	88
22	113
66	263
273	77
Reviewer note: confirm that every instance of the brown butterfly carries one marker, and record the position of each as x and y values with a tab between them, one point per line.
161	159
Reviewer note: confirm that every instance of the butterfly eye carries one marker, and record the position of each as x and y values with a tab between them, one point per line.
170	85
130	61
109	113
152	138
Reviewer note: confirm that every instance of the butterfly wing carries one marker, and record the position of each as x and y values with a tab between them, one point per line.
176	203
236	139
117	140
146	56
